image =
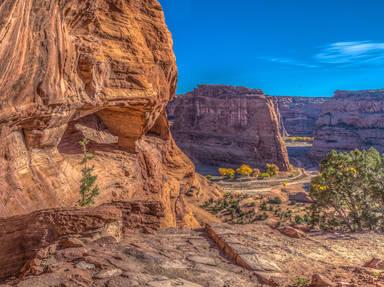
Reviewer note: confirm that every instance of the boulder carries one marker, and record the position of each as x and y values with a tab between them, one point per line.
299	197
71	243
375	263
292	232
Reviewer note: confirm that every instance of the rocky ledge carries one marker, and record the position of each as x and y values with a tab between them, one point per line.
221	255
350	120
26	237
224	125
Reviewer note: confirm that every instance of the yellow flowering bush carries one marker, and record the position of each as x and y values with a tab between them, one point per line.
244	170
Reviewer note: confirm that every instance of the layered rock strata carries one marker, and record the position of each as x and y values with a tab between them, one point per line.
138	259
350	120
298	114
99	69
223	125
24	236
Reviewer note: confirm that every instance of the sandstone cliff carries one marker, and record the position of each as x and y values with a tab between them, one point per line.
299	114
351	120
221	125
100	69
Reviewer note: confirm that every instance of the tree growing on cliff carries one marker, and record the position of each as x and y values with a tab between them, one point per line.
88	183
349	192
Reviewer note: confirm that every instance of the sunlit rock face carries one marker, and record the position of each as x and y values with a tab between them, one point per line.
351	120
100	69
298	114
223	125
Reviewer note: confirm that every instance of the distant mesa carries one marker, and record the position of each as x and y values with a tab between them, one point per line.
217	124
224	125
299	114
350	120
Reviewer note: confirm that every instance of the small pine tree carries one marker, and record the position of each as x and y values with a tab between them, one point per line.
88	186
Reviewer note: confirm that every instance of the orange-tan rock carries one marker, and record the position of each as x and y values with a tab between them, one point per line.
298	114
100	69
224	125
350	120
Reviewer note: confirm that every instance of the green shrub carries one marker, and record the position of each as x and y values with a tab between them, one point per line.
261	217
349	192
251	204
299	139
299	219
88	185
275	200
272	169
301	282
264	175
263	206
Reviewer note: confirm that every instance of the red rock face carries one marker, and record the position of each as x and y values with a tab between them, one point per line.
220	125
100	69
299	114
350	120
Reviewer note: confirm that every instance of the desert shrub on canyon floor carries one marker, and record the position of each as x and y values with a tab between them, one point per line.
349	192
301	282
272	169
299	139
227	172
244	170
264	175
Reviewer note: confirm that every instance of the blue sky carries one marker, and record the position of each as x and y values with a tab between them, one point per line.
285	47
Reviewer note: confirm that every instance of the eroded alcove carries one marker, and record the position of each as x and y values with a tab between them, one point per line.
127	159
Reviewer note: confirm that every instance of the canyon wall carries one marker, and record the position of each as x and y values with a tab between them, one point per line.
298	114
350	120
97	69
223	125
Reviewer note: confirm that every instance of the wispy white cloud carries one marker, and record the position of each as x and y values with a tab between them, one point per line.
352	53
340	55
288	61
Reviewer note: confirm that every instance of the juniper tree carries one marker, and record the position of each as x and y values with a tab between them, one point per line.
349	192
88	183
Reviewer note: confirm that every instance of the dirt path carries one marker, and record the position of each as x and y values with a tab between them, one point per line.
255	186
